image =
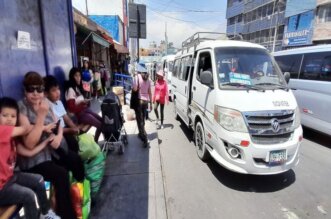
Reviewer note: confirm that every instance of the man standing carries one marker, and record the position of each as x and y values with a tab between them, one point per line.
143	84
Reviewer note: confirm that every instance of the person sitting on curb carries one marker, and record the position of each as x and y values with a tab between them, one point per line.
70	129
79	106
18	187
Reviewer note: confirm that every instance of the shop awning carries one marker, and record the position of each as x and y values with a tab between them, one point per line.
98	39
120	48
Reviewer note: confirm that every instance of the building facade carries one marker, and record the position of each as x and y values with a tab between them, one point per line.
280	24
257	21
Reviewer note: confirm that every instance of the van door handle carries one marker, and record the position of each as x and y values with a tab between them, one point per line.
193	87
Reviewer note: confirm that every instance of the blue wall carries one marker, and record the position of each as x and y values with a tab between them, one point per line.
109	22
294	7
51	45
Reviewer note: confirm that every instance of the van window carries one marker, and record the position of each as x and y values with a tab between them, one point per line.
316	66
204	63
176	69
246	66
290	63
170	66
186	64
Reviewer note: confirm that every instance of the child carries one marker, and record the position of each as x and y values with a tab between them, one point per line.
18	187
70	129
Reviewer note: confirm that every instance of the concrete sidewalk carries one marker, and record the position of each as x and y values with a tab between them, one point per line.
133	183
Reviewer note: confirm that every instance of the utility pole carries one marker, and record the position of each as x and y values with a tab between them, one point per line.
276	28
138	29
166	39
86	8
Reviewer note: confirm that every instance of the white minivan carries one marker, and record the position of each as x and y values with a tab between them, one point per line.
167	66
235	98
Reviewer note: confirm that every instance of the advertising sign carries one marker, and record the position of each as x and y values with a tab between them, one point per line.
299	30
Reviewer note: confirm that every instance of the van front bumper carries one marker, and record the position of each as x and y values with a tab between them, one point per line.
254	159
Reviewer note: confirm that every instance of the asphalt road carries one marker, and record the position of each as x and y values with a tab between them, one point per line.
206	190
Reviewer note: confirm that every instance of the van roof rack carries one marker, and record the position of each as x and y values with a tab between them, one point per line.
199	37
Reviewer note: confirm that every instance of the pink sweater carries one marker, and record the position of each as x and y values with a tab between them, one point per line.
161	92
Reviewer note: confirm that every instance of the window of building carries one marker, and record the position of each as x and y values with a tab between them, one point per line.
240	18
259	13
280	32
324	13
254	15
270	9
264	10
232	20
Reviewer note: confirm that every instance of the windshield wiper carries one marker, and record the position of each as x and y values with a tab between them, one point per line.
249	87
276	85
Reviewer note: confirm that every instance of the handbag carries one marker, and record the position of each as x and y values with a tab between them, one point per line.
134	101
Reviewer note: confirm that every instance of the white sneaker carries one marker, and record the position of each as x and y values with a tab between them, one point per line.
162	127
50	215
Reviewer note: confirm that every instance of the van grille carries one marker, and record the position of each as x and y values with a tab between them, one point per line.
270	127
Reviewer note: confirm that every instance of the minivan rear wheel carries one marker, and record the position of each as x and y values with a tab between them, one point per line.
200	143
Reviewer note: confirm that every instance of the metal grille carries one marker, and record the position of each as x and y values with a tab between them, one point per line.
270	127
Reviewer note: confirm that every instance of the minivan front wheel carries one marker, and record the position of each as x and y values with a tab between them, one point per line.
200	143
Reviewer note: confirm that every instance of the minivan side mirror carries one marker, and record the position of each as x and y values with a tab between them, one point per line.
206	78
287	76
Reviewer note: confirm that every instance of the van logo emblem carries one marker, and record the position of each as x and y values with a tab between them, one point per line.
275	125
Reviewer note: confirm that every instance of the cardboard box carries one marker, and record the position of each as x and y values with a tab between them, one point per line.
118	90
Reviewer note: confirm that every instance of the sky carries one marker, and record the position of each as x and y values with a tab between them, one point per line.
182	17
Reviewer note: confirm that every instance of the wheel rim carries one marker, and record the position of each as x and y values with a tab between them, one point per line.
199	139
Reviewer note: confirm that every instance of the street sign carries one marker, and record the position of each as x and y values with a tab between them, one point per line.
137	21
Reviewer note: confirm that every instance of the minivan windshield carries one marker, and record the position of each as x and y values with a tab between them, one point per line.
245	68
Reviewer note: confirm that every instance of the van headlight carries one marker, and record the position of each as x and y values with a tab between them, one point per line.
231	120
297	118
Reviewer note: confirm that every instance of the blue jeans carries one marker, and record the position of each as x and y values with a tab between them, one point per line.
21	189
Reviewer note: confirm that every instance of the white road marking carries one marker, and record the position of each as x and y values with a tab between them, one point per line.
289	214
321	209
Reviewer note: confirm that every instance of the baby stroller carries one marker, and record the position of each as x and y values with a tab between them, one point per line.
112	124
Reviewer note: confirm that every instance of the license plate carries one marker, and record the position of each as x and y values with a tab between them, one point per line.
277	157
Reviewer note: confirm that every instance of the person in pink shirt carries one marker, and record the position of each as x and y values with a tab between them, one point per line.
143	84
160	96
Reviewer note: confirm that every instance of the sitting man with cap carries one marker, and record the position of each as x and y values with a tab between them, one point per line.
143	84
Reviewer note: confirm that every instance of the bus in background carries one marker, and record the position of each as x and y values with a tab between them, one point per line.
167	66
310	70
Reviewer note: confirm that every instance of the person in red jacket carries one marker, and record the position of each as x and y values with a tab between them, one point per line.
18	187
160	96
79	106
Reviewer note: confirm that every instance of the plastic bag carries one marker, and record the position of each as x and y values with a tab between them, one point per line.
94	171
86	199
77	200
88	148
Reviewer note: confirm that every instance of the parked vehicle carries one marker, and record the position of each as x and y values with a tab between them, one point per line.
235	98
167	66
310	70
